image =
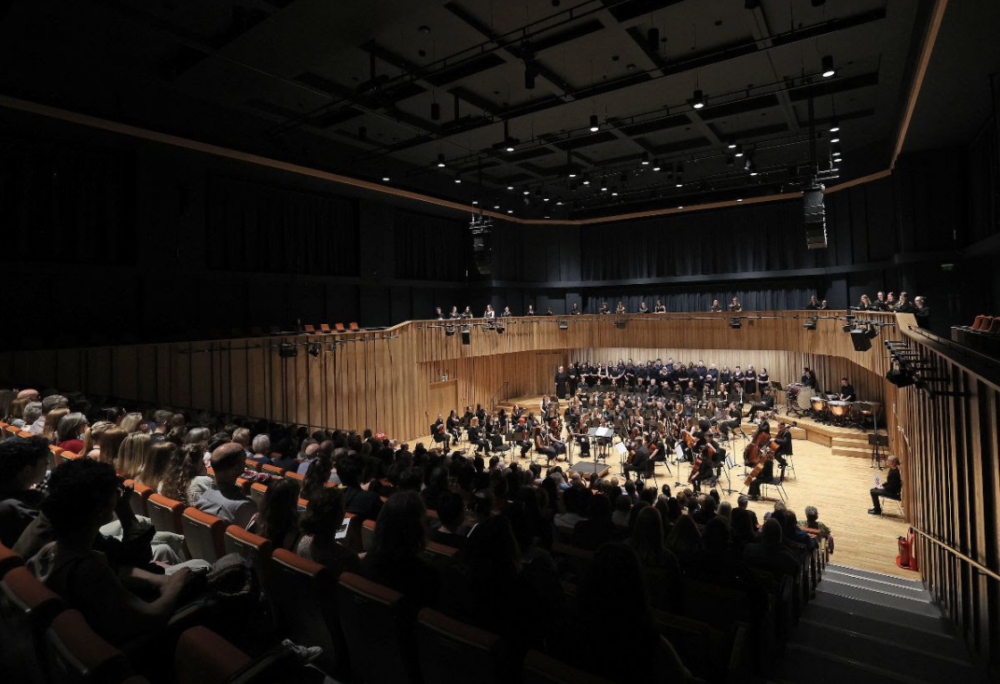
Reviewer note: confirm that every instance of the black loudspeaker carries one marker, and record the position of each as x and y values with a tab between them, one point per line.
467	337
814	217
482	252
860	341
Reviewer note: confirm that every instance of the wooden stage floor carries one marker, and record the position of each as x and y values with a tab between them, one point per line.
836	484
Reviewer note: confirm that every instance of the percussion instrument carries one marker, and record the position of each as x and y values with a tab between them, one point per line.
840	409
794	389
804	401
868	408
818	404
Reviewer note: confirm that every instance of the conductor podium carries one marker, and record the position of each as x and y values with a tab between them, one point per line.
598	466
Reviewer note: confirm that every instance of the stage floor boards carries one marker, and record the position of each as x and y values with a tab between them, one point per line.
836	485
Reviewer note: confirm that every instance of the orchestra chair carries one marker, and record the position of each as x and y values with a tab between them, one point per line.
203	535
165	513
649	472
377	633
790	460
139	498
75	653
497	445
8	560
254	549
779	484
898	501
303	597
543	669
27	608
449	650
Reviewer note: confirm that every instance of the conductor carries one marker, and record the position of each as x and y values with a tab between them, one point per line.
561	379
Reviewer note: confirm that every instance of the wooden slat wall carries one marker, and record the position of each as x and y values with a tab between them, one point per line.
380	380
952	462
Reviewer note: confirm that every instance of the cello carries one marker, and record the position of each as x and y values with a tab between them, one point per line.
768	456
751	454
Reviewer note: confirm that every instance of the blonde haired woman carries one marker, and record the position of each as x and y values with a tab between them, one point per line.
110	443
92	437
132	456
51	427
133	422
154	471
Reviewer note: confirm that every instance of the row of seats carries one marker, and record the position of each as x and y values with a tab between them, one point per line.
989	325
324	328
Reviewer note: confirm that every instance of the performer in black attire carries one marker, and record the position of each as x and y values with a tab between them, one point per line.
784	440
640	459
766	403
813	304
561	379
892	489
575	311
766	475
573	377
847	390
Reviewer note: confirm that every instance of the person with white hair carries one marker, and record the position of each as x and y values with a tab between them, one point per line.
261	449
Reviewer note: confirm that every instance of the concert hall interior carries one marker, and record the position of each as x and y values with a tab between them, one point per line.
390	341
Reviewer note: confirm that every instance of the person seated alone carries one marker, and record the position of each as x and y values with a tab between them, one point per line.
225	499
892	488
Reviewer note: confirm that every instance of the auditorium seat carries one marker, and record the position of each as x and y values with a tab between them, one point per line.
543	669
368	535
978	323
75	653
448	650
252	548
165	513
311	329
203	534
251	464
273	470
710	654
339	327
8	560
139	499
353	326
995	326
27	607
377	633
258	491
295	476
69	456
353	538
55	457
303	596
203	657
325	328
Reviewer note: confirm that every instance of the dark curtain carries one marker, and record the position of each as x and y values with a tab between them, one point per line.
66	203
431	247
271	229
766	237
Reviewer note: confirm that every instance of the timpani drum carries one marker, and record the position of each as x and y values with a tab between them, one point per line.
794	388
866	410
840	409
817	404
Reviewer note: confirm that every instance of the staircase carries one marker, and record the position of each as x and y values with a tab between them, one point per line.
868	628
854	445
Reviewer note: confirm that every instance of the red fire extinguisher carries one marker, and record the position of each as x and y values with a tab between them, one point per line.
907	559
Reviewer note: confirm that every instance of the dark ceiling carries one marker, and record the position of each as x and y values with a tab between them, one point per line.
385	87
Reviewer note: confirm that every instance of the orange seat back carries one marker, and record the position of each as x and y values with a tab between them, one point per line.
353	326
140	498
446	646
165	513
203	534
258	491
376	630
8	560
76	653
203	657
252	548
273	470
251	464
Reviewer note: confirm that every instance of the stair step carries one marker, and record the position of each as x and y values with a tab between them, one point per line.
905	658
818	666
862	451
929	622
870	574
883	585
900	633
906	602
850	439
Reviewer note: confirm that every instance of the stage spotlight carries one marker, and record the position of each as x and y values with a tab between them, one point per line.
620	325
872	332
810	323
848	327
828	69
698	100
314	349
449	330
594	126
563	325
287	350
899	377
735	323
500	328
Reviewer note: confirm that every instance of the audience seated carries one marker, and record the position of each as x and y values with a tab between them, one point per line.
22	467
224	499
278	518
320	524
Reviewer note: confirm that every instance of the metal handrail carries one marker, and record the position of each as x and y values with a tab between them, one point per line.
955	552
493	403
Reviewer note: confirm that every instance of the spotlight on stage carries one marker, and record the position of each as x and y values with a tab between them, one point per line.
872	332
500	328
563	325
449	330
287	350
735	324
848	327
620	325
810	323
314	349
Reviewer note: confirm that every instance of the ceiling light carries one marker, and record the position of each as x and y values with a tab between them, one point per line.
586	181
440	161
594	126
572	174
385	179
458	179
681	206
510	187
834	126
731	145
828	69
740	199
559	203
604	188
753	173
680	185
510	211
656	165
739	151
545	199
527	192
835	139
645	158
698	101
496	206
475	202
510	146
614	193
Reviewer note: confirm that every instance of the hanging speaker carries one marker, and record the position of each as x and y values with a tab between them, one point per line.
860	340
467	336
814	218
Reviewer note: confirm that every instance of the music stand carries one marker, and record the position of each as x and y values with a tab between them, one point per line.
877	442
